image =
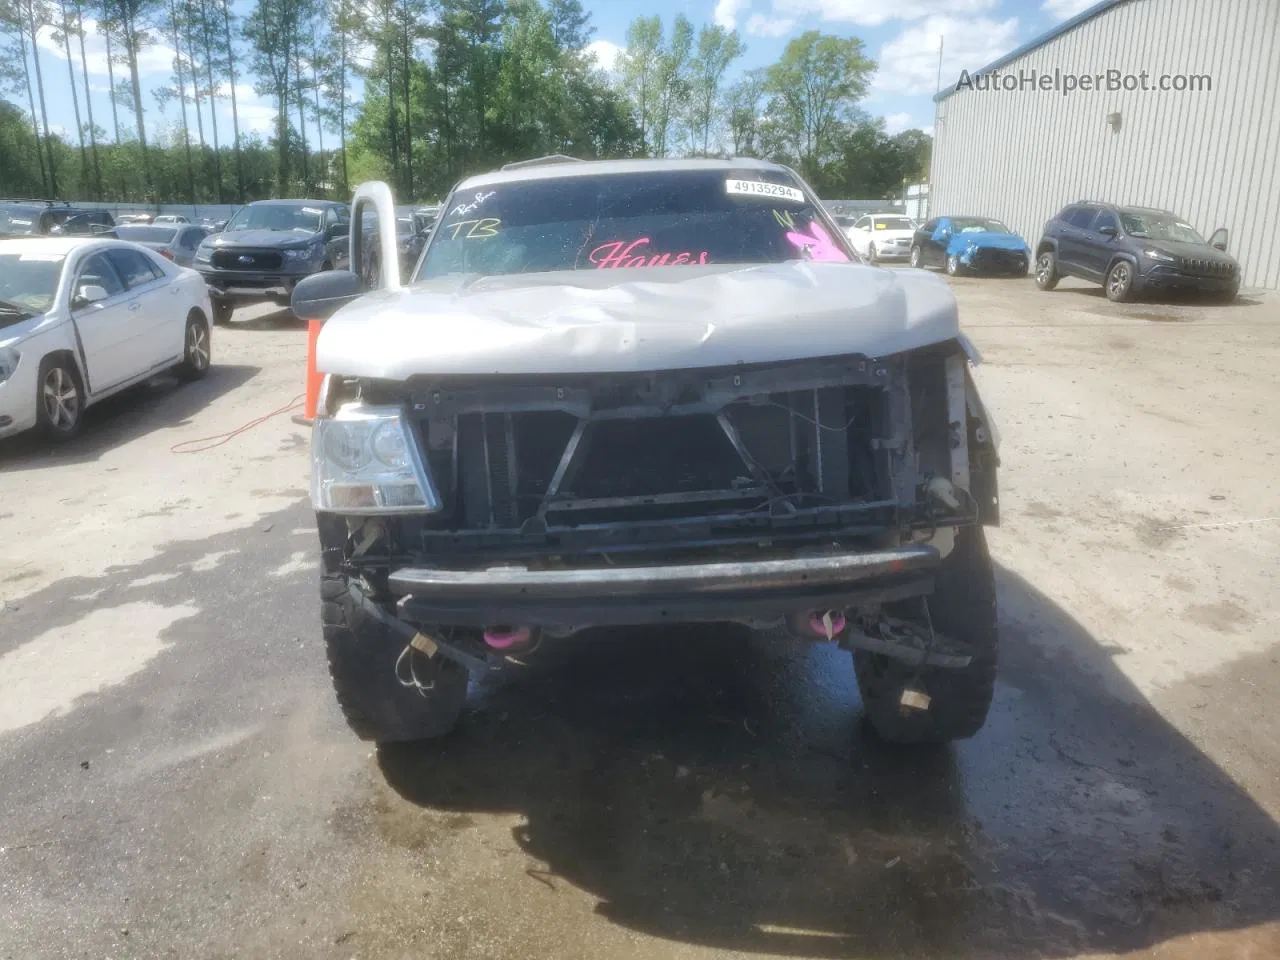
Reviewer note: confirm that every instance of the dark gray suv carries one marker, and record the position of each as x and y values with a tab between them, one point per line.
1134	250
267	247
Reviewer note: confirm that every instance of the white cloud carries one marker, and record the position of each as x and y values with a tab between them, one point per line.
257	114
896	123
606	54
152	58
758	25
726	13
1065	9
872	13
909	62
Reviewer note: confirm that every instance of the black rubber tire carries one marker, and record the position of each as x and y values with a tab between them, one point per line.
1229	296
953	266
1046	270
871	254
60	430
962	606
1118	282
193	367
362	655
917	258
222	310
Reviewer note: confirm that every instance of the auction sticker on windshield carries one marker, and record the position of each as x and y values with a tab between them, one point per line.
760	188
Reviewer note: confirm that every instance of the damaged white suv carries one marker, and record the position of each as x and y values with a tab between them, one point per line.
646	392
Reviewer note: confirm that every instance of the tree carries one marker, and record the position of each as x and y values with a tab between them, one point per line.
812	91
88	102
63	33
129	18
212	89
13	23
37	17
717	49
640	68
571	28
271	29
672	82
235	110
335	73
742	113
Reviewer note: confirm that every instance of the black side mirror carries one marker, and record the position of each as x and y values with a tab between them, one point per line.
321	295
1219	239
1108	231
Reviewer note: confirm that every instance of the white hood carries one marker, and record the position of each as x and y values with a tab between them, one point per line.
625	321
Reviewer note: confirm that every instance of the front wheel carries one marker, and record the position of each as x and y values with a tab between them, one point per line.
60	399
953	265
222	310
1120	282
370	667
871	254
1047	276
963	608
917	260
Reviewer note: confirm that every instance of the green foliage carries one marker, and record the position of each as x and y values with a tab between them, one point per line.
450	87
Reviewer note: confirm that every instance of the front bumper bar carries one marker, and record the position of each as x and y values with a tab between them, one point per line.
674	593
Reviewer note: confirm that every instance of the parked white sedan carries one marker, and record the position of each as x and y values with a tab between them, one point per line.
83	318
880	236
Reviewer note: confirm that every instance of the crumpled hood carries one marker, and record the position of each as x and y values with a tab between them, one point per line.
997	241
263	238
620	321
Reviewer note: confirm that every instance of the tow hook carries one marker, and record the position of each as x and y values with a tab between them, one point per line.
823	625
507	639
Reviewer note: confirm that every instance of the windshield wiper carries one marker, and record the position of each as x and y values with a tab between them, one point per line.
8	306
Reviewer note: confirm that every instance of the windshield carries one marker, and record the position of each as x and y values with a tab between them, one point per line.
977	225
276	216
28	283
1159	226
893	223
142	234
16	220
668	218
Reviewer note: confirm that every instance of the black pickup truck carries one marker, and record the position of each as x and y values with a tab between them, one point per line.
267	247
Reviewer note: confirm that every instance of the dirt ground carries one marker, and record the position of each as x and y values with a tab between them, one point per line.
175	780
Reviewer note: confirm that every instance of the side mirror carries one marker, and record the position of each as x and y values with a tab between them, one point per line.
89	293
1219	239
1108	231
336	230
321	295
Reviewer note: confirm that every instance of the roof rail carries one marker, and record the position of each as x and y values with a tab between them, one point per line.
541	161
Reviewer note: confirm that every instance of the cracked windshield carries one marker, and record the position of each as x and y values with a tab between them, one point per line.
550	479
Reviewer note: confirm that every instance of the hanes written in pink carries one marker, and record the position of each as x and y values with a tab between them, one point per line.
611	256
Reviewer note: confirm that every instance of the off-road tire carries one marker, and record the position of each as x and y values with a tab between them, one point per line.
1046	270
362	654
962	606
222	310
197	349
59	376
1119	282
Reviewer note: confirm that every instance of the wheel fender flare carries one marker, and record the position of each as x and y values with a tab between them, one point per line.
1127	258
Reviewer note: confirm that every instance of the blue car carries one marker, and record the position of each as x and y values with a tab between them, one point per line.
977	245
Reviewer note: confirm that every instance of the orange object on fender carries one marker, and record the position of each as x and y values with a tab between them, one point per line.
314	377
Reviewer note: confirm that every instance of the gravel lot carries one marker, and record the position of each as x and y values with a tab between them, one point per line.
175	780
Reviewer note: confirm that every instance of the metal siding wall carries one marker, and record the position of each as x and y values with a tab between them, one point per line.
1210	157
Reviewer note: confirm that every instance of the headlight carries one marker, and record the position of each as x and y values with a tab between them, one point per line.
1159	255
204	253
8	362
364	460
303	253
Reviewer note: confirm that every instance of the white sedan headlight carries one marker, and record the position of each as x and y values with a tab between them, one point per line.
364	460
8	362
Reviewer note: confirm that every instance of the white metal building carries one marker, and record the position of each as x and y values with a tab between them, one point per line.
1207	150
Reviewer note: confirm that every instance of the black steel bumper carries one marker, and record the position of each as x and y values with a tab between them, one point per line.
250	285
1168	278
676	593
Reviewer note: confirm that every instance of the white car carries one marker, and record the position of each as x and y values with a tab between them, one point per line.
640	393
82	318
170	218
879	236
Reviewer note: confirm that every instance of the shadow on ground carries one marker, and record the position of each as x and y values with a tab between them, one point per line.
713	788
161	403
281	318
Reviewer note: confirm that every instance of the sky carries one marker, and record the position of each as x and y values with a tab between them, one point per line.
901	35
